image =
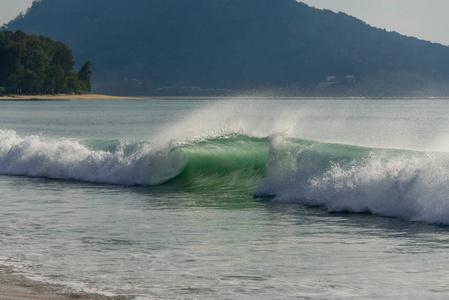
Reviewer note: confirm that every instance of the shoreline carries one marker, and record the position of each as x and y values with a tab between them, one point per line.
15	287
66	97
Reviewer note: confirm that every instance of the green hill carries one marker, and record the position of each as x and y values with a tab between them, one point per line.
179	46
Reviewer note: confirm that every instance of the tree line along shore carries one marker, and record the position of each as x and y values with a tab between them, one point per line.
35	65
66	97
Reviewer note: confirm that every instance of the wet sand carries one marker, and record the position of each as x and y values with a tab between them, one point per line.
15	287
18	292
12	288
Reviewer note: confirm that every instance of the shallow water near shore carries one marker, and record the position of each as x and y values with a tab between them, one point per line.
200	199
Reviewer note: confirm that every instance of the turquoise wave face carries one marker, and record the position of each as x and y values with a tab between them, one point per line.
233	163
229	161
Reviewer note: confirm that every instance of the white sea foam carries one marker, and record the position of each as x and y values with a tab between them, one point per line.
406	184
38	156
409	184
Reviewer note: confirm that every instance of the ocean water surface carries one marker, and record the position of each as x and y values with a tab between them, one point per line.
232	198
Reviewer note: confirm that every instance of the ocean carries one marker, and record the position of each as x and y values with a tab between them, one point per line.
236	198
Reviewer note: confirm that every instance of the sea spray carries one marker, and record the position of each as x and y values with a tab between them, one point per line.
388	182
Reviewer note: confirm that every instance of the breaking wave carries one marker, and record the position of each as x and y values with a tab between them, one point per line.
212	162
341	178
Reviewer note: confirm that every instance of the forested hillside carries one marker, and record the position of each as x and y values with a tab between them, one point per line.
31	64
152	46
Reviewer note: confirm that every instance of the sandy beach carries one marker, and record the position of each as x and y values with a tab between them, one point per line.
10	291
66	97
14	287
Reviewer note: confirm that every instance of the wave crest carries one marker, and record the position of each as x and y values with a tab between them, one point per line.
210	163
341	178
37	156
407	184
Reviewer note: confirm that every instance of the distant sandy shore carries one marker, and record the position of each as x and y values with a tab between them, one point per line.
66	97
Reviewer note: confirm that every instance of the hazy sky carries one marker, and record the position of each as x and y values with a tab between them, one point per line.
9	9
424	19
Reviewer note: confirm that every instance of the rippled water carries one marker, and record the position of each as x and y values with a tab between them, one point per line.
201	234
